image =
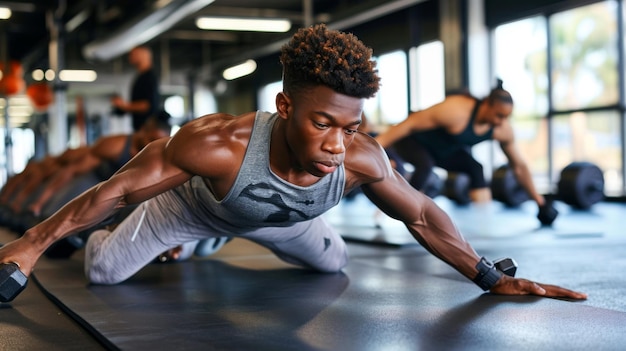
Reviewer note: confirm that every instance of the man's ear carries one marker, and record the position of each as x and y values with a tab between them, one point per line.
283	105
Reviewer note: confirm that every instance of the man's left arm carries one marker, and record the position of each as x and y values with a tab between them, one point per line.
436	232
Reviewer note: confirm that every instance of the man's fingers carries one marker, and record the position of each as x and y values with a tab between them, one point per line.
557	291
537	289
515	286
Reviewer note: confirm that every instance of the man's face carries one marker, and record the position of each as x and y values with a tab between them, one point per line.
321	124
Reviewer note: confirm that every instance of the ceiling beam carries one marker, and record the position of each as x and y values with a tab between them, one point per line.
377	10
144	28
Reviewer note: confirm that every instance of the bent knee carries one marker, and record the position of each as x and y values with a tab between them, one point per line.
97	275
335	264
99	269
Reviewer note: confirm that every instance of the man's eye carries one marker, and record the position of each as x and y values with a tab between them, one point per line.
351	131
321	125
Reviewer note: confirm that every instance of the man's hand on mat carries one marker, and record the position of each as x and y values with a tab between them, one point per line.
515	286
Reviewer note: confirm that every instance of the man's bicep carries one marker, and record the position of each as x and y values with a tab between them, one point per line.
151	172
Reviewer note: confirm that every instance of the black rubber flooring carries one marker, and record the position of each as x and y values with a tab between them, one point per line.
392	296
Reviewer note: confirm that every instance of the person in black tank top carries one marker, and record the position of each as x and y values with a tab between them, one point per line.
443	135
436	147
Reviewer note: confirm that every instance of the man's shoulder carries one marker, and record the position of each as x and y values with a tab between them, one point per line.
211	146
366	159
216	129
219	120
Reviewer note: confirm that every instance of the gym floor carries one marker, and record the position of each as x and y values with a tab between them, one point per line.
392	296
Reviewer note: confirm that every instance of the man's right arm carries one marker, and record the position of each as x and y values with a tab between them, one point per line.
201	147
150	172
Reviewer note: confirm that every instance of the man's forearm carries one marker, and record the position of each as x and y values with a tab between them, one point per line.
438	234
85	211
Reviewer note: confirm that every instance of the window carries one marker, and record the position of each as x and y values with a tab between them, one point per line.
427	75
23	149
570	113
520	60
267	96
390	105
589	136
584	56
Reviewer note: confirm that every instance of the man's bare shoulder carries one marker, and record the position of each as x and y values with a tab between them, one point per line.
216	140
366	161
217	127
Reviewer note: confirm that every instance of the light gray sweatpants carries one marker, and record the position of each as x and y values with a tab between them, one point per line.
166	221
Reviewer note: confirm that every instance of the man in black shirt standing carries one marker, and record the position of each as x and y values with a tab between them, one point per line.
144	98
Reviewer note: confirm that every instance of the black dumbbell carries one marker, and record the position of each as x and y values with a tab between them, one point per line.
507	266
581	185
506	189
12	281
433	186
456	188
547	213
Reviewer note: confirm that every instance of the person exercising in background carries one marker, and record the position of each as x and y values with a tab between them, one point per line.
22	187
268	178
443	134
104	158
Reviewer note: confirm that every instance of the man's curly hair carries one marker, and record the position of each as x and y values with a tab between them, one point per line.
319	56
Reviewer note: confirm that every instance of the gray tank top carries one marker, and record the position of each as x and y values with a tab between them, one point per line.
259	198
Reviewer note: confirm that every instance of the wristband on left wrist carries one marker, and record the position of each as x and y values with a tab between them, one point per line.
487	275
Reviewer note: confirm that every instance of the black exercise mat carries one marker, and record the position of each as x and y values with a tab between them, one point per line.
236	305
32	322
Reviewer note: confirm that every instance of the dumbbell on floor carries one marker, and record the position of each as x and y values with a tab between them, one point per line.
581	185
433	186
506	265
456	188
12	281
506	189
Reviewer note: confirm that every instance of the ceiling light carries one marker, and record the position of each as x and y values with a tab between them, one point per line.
244	24
240	70
76	75
20	111
38	75
5	13
49	75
